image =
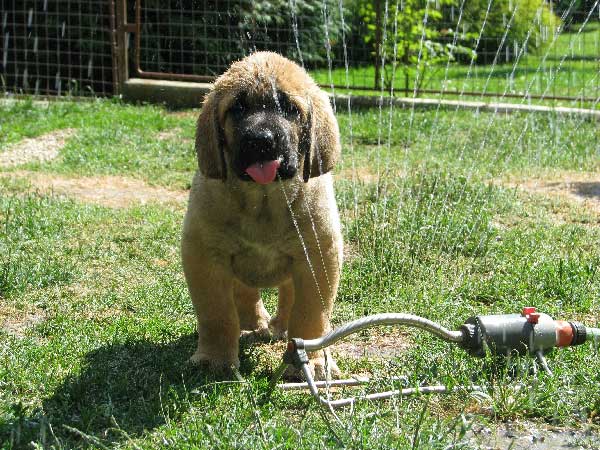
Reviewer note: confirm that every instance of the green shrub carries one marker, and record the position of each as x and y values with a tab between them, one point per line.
525	22
529	22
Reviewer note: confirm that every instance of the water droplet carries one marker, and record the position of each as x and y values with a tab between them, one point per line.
57	83
5	57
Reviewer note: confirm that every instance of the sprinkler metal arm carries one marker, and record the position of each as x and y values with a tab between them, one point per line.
296	355
311	345
593	334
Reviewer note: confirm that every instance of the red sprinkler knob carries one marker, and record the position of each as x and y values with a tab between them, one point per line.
529	312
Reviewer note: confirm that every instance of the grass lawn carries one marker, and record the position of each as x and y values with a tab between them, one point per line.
569	66
446	214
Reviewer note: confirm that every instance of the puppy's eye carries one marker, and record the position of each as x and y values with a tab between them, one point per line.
293	110
288	107
237	108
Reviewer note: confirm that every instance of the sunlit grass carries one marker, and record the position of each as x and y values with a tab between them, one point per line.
96	325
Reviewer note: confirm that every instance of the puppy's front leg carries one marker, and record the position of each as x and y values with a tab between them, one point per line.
211	290
254	318
314	292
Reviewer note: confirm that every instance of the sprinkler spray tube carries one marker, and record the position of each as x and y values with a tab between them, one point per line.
529	333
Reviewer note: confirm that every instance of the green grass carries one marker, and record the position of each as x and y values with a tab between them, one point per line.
434	227
567	68
102	147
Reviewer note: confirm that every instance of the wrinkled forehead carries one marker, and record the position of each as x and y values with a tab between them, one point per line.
257	86
261	99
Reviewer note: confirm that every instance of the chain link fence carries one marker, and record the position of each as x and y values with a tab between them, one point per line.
501	48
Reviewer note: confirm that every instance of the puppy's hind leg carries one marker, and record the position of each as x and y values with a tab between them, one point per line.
253	317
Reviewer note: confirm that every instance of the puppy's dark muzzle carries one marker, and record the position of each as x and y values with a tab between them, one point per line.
260	145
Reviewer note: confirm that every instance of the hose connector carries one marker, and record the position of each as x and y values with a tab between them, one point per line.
530	332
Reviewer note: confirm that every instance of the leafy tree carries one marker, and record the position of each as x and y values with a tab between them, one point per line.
416	41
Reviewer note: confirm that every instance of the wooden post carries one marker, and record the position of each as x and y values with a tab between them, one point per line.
121	47
114	48
378	50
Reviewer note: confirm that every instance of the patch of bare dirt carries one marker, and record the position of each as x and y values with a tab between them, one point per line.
564	190
374	346
357	174
42	148
111	191
16	322
580	187
186	113
171	135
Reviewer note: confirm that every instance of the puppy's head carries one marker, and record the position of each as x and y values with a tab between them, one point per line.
266	120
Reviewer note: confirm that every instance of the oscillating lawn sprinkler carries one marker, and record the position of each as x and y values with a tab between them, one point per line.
529	333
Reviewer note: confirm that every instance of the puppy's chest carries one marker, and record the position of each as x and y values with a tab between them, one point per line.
259	257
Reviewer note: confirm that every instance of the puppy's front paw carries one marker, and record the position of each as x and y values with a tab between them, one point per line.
278	329
321	368
324	368
258	335
220	367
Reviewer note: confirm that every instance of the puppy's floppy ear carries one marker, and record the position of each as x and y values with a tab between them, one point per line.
320	138
210	140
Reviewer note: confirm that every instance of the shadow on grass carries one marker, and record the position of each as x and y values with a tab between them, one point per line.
121	391
587	189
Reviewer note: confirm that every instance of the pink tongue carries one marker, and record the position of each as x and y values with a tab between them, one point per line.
263	172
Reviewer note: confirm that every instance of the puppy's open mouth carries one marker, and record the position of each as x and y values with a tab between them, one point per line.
264	172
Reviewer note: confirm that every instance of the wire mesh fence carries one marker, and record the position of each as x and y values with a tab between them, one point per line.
520	48
57	47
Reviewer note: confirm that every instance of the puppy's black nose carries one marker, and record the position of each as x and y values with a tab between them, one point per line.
261	140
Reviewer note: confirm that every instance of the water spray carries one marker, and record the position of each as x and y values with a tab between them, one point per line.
529	333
